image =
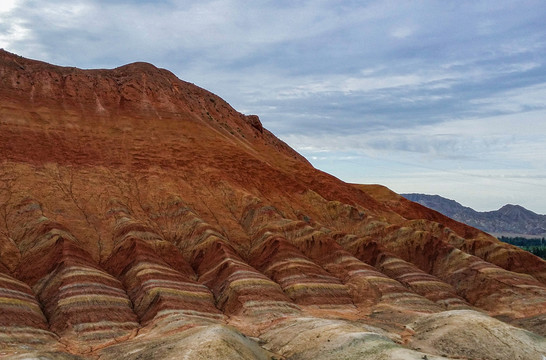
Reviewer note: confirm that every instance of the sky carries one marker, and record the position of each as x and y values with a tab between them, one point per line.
437	97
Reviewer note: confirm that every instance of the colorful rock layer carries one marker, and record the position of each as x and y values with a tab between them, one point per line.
143	217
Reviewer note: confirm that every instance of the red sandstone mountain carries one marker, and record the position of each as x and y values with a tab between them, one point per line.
143	217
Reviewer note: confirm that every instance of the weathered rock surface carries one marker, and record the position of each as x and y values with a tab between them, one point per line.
198	342
469	334
143	217
333	339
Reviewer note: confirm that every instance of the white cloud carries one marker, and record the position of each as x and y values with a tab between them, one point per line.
402	32
507	140
402	82
8	5
15	32
514	100
368	81
12	30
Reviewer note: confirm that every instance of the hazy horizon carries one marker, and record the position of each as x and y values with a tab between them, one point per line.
430	97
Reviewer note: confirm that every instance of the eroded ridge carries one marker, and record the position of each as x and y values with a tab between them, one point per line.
157	285
201	276
404	272
239	289
303	280
181	226
487	248
21	318
81	301
370	290
459	235
484	285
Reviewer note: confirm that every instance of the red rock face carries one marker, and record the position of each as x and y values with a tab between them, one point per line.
302	280
142	211
153	286
79	299
466	238
238	287
19	306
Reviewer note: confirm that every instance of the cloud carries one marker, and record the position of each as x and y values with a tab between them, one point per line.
514	100
504	136
7	6
402	32
441	83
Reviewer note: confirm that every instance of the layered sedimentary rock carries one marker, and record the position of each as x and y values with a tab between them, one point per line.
405	272
421	282
369	288
238	287
154	287
142	216
21	318
79	299
466	238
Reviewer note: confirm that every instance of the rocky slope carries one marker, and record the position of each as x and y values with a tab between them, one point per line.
509	219
143	217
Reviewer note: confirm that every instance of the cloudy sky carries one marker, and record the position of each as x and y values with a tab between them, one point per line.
439	97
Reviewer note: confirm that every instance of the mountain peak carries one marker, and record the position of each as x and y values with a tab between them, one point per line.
516	213
142	217
110	97
509	219
511	207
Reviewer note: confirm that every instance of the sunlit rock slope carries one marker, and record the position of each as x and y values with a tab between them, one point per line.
143	217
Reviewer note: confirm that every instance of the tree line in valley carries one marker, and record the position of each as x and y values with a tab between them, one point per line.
536	246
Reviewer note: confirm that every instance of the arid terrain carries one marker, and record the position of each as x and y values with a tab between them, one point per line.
142	217
510	220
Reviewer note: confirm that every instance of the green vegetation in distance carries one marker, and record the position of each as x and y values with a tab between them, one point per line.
534	246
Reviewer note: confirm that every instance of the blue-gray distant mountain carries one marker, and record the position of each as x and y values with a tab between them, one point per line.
509	219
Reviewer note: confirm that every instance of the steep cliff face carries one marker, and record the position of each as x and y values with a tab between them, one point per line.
142	216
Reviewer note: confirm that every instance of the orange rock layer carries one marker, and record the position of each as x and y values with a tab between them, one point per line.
136	208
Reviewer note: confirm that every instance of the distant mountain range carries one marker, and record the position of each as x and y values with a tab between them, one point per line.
508	220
